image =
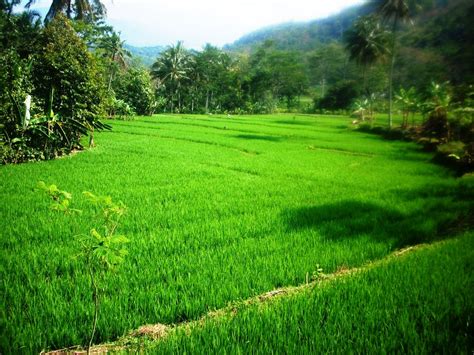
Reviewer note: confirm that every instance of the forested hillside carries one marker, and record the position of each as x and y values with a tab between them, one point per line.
436	42
147	55
304	36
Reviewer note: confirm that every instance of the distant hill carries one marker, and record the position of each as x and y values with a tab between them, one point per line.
437	44
301	36
147	55
307	36
447	31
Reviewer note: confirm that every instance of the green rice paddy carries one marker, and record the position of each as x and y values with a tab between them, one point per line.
220	209
419	303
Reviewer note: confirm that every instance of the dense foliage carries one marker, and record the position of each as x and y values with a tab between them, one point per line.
213	81
51	88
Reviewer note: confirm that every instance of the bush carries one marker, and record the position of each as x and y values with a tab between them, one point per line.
340	96
119	109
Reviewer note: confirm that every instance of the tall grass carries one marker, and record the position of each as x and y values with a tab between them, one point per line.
219	209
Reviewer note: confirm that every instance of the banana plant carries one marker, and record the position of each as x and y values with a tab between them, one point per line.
410	103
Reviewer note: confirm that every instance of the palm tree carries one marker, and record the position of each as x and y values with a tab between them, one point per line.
113	48
394	11
83	9
366	43
171	69
7	6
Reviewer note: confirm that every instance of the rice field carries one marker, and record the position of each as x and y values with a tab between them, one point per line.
219	209
363	313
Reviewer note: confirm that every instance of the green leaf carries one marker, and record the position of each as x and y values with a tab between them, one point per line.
53	189
96	235
66	195
119	239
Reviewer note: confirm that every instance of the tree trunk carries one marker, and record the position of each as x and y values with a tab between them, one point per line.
392	67
207	101
69	10
95	296
112	60
364	78
91	138
390	93
111	77
346	63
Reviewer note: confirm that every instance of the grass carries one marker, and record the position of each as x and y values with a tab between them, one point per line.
219	209
363	313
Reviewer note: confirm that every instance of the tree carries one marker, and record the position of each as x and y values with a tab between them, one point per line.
66	68
172	69
115	53
288	77
366	43
394	11
135	88
214	80
274	75
8	5
209	66
19	35
327	65
82	9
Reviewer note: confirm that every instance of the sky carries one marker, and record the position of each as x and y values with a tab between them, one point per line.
197	22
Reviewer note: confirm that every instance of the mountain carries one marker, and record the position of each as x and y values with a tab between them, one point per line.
301	36
436	44
448	32
147	55
307	36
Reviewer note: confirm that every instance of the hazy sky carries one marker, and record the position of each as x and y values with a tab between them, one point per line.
196	22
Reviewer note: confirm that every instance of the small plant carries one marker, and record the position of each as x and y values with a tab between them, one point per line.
101	249
317	274
61	200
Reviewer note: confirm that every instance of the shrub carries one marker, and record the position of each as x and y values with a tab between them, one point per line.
340	96
119	109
